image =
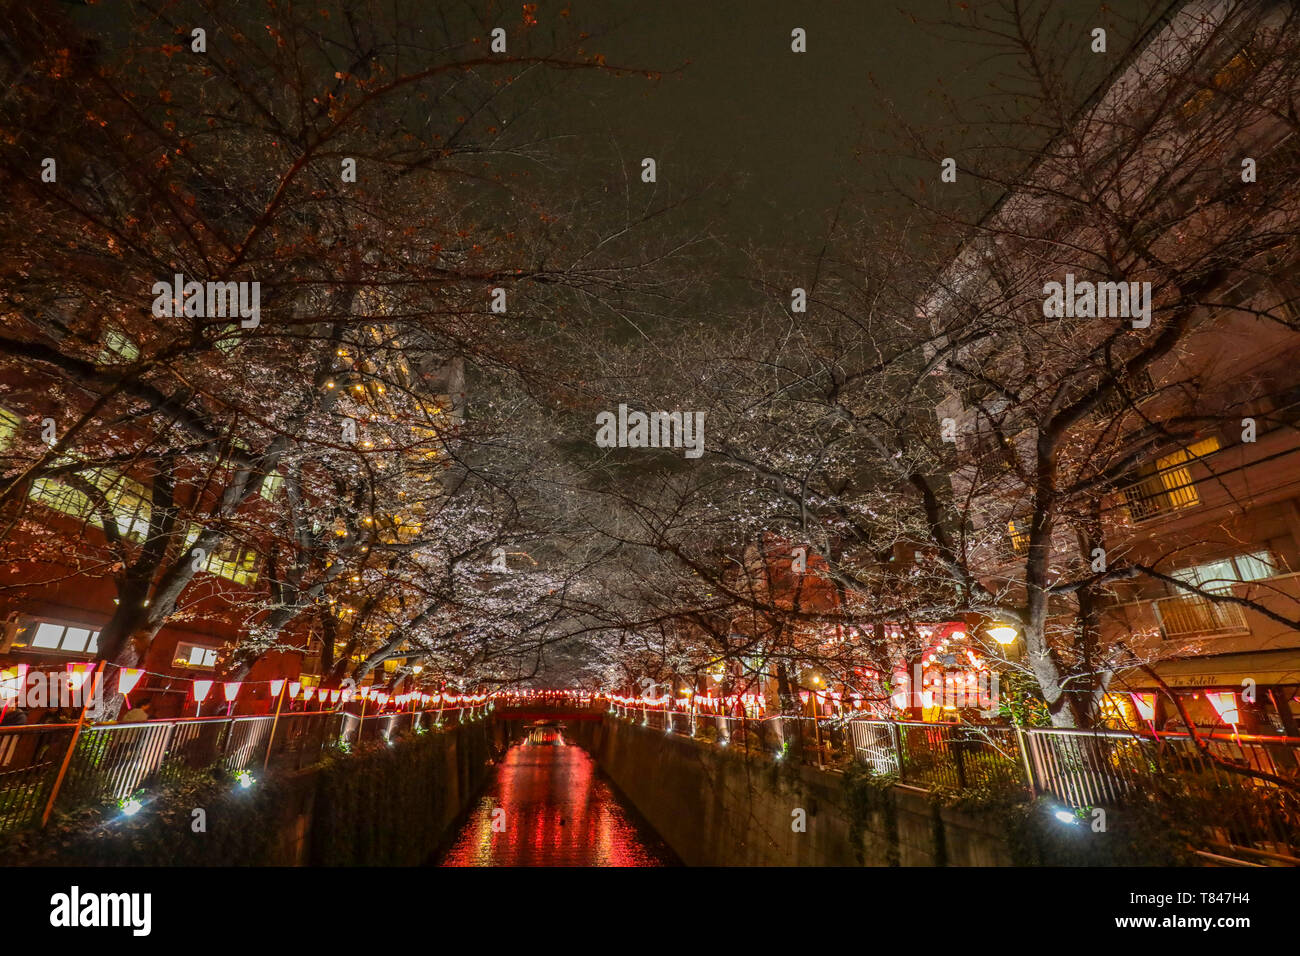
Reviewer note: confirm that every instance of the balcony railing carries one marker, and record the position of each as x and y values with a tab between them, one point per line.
1186	615
1160	494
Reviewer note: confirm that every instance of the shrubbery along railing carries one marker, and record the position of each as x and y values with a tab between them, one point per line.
113	761
1078	769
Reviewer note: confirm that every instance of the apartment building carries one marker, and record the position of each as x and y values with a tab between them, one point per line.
1182	474
57	588
1221	514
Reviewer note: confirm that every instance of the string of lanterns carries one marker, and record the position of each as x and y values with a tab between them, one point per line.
200	689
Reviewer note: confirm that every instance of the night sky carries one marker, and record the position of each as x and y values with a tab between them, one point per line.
775	141
790	130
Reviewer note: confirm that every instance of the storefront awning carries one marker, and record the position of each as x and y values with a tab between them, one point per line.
1264	667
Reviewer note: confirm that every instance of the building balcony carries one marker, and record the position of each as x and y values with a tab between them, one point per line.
1190	615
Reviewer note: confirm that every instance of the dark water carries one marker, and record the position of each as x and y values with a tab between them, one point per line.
559	811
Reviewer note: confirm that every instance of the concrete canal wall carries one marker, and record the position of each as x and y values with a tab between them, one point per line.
715	806
381	806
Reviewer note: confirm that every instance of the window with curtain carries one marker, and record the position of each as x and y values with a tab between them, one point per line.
1221	575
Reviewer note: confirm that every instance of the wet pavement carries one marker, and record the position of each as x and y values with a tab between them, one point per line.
558	811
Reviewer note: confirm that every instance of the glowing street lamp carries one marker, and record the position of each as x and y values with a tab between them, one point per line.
1004	634
12	682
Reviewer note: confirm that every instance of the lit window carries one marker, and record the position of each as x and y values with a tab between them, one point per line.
9	425
234	564
127	500
1230	76
270	485
195	655
1167	484
230	338
228	561
60	497
1114	709
1019	536
118	348
71	639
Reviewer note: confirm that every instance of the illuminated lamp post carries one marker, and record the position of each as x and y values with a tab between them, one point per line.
816	709
12	688
231	690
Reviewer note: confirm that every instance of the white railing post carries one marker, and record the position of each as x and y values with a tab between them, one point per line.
896	741
1022	741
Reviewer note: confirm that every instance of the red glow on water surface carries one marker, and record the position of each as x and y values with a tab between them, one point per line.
559	811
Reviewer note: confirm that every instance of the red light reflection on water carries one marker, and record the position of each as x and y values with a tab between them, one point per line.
558	812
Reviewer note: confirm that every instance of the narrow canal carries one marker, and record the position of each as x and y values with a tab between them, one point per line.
548	805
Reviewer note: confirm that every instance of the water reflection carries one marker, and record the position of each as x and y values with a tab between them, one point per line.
549	806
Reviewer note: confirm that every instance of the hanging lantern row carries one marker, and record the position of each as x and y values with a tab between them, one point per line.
128	679
580	696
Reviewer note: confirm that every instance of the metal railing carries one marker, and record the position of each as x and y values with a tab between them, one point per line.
821	742
1084	768
113	761
1081	769
1187	614
933	756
